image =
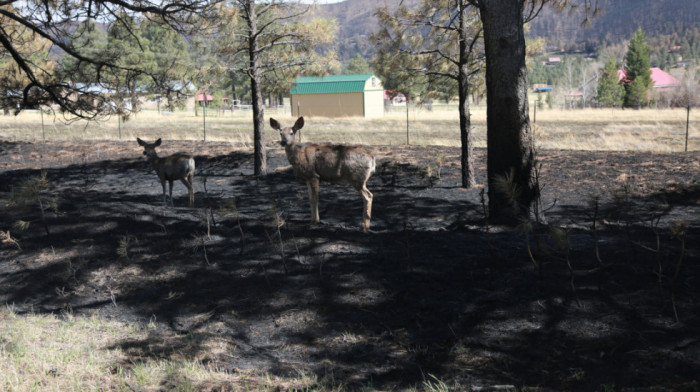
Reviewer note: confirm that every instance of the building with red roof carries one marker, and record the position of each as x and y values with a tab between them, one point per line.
662	80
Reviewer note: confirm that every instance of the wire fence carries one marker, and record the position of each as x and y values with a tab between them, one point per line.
438	124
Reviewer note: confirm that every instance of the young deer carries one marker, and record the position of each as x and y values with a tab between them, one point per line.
178	166
328	162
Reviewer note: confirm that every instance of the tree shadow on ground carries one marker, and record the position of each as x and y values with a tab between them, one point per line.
429	291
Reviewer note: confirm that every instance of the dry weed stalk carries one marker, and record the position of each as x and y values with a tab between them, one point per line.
678	230
21	225
562	240
124	244
440	162
208	210
6	238
407	240
33	190
195	243
595	203
654	226
487	227
229	207
526	228
623	203
277	222
657	252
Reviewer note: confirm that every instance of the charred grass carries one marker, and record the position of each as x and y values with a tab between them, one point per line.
107	290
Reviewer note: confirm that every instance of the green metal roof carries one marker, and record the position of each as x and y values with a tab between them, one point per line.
330	84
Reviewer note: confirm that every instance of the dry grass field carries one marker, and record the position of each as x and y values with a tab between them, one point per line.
590	129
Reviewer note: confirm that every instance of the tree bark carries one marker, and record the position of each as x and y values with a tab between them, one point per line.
510	143
467	159
260	156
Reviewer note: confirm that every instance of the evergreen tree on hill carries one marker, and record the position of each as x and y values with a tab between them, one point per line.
637	72
357	66
610	91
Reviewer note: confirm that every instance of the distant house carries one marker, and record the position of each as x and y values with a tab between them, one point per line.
661	80
203	99
392	98
541	88
552	61
338	96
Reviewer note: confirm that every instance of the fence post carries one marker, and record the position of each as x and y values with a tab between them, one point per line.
687	124
408	140
43	132
204	116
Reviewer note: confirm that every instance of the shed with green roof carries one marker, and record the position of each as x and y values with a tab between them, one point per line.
338	96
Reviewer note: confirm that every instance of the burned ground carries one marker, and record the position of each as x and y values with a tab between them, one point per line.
433	289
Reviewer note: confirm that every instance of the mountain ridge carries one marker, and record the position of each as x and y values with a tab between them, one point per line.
563	30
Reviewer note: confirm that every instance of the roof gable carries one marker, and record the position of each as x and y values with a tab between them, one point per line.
663	79
659	78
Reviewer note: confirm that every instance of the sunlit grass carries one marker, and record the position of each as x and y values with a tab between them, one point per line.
71	353
589	129
56	353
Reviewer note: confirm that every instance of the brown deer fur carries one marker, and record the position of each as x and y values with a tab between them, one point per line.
328	162
178	166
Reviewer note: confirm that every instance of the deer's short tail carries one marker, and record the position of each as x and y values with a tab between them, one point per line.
190	167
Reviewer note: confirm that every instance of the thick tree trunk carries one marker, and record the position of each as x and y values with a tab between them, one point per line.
260	156
510	143
464	115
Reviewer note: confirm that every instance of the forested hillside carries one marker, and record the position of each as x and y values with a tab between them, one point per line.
616	23
356	22
563	31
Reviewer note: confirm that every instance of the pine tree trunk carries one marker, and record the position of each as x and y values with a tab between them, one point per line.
260	157
510	143
467	158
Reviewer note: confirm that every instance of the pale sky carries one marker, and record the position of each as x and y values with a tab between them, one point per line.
322	1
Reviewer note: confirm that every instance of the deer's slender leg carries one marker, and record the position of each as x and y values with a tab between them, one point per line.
313	185
367	197
170	182
366	202
165	201
188	183
190	179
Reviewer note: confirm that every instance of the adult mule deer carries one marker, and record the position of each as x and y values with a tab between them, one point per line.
178	166
328	162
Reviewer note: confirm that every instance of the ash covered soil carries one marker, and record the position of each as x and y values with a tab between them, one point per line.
433	289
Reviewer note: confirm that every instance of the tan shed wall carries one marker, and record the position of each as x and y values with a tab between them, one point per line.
328	105
374	98
374	104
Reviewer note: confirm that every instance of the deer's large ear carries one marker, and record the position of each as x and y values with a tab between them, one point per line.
274	124
141	142
157	143
299	124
